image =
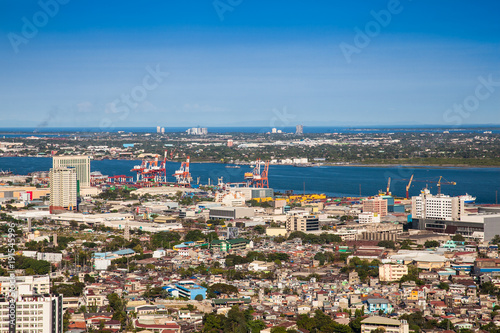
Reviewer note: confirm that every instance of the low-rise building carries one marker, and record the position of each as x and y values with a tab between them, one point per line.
389	325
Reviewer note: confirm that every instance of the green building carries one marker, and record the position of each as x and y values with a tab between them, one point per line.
230	244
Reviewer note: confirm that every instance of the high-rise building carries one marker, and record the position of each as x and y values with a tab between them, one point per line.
158	129
376	205
36	310
299	130
80	163
197	131
439	207
63	187
302	223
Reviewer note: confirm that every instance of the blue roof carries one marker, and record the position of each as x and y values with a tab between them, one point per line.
124	252
101	254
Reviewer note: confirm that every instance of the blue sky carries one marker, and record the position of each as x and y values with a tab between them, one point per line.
265	63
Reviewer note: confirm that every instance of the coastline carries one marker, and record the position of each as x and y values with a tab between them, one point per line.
354	164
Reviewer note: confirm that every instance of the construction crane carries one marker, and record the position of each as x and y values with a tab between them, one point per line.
441	181
182	176
408	187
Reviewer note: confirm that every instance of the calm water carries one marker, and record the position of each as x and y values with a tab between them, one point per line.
331	180
46	131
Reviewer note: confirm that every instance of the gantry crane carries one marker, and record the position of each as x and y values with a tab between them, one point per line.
182	176
258	178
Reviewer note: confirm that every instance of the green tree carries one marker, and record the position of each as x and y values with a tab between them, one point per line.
388	244
194	236
235	322
495	240
444	286
458	238
431	243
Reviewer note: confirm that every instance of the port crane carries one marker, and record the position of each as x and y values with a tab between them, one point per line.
151	170
258	178
408	187
441	181
182	176
387	190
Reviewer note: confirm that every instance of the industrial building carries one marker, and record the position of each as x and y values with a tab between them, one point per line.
187	289
230	213
250	193
63	188
389	325
80	163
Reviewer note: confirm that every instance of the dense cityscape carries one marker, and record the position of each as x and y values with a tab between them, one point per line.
156	251
231	166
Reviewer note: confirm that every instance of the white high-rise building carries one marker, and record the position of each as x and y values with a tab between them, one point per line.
80	163
438	207
36	310
158	129
63	188
197	131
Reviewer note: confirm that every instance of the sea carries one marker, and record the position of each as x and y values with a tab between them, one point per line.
13	132
338	181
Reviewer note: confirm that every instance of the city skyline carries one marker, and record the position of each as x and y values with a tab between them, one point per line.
381	63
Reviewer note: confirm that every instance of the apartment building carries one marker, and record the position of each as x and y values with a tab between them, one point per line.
376	205
63	187
388	272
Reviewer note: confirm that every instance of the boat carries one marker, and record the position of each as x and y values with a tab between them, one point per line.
233	166
5	173
468	199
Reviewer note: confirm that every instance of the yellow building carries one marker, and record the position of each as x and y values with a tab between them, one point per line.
14	192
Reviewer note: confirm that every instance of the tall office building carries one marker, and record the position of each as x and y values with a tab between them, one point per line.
80	163
158	129
302	223
375	205
63	187
36	310
299	130
439	207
